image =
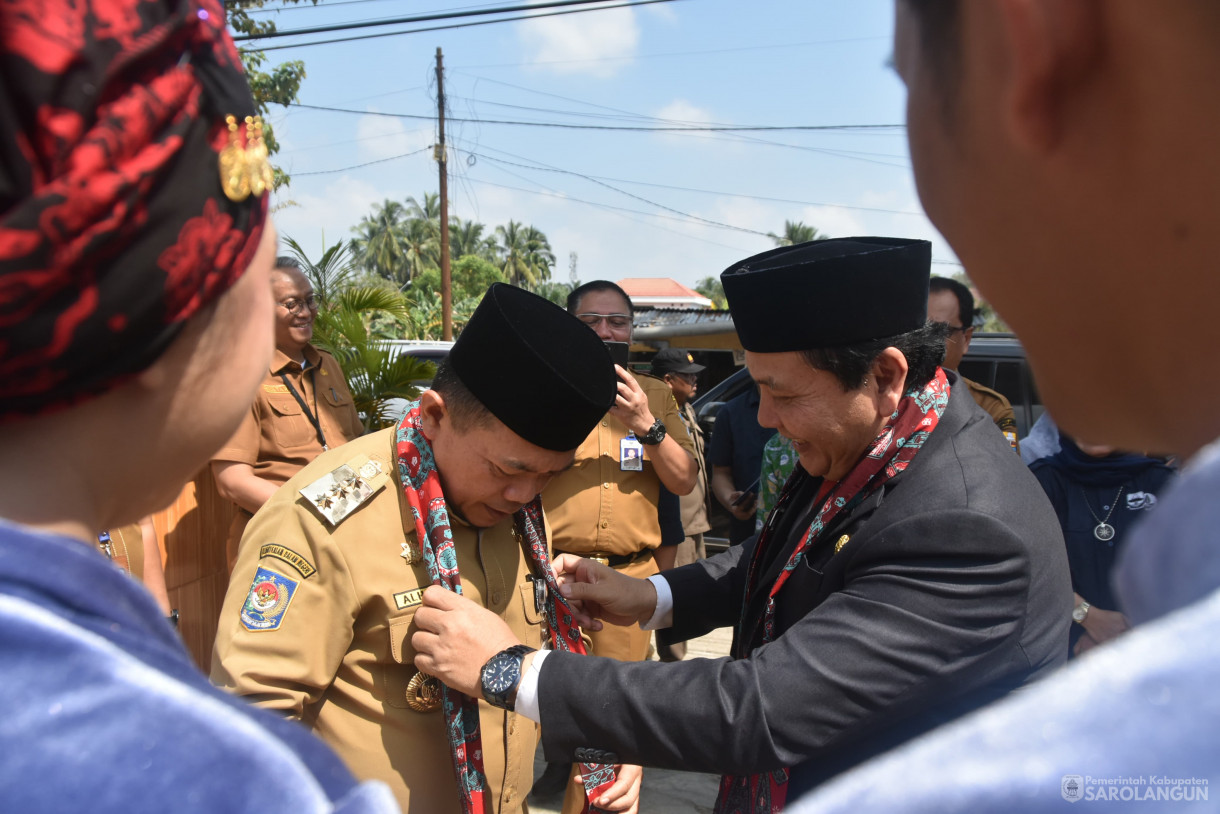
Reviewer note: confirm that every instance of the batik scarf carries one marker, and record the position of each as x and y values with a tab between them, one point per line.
891	452
422	487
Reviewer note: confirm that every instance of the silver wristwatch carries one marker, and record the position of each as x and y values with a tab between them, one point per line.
1080	612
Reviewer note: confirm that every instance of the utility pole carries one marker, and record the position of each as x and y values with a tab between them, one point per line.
446	279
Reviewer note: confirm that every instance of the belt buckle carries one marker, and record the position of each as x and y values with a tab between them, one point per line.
603	560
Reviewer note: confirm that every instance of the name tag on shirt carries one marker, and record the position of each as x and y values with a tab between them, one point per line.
630	454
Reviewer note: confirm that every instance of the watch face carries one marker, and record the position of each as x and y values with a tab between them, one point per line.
502	675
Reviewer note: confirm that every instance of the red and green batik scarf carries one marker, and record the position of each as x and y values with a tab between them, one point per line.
890	453
422	486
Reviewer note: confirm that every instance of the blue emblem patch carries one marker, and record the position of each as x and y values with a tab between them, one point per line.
268	600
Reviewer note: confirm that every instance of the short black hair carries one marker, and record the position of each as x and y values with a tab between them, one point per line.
965	300
579	292
924	349
463	406
286	262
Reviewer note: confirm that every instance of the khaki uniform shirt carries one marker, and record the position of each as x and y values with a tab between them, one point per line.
276	437
996	406
597	508
694	505
336	652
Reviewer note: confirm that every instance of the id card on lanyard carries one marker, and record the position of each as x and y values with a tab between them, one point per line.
630	454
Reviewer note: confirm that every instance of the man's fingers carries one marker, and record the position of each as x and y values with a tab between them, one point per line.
437	597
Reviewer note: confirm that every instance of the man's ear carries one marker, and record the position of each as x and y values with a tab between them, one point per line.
432	412
967	335
1051	47
889	373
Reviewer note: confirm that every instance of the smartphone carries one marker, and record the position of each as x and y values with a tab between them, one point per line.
618	353
749	494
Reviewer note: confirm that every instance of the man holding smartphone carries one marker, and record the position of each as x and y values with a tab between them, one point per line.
605	506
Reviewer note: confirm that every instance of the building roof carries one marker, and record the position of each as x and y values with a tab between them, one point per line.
662	292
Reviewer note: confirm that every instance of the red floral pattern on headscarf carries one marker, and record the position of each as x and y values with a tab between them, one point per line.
113	226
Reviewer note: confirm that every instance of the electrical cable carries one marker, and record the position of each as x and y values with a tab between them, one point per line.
417	18
734	128
628	4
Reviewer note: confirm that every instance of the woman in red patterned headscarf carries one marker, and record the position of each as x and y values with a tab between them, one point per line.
135	325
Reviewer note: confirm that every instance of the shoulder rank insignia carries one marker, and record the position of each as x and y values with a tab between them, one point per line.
268	600
337	494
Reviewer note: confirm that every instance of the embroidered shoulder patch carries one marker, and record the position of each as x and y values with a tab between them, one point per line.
289	556
268	600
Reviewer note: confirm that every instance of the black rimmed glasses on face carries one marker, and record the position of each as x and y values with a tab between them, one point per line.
619	321
295	306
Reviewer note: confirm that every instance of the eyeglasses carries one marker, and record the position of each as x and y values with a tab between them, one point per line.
619	321
690	378
295	306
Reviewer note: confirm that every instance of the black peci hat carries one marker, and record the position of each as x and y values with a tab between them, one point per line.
829	293
536	367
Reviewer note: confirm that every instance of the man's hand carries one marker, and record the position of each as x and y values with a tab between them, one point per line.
631	404
455	639
1104	625
599	592
745	509
624	794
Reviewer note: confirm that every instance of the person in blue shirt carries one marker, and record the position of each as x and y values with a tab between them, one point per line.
135	305
736	458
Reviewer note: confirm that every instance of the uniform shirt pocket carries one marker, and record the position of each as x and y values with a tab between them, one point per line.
399	672
289	426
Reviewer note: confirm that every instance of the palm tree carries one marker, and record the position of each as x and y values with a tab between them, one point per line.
512	248
334	271
375	373
466	238
423	246
525	254
380	245
538	255
429	213
796	232
711	288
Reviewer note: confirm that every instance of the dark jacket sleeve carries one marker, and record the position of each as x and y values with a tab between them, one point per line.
908	625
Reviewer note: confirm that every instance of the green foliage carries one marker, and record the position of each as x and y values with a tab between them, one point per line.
347	326
555	291
470	276
796	232
525	254
711	288
426	316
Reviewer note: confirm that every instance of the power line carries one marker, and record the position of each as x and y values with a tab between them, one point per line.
417	18
734	128
664	55
548	168
628	4
365	164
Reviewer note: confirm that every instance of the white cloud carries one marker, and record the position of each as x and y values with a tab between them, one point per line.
598	43
381	137
343	202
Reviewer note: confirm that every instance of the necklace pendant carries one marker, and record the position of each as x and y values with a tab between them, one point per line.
1103	531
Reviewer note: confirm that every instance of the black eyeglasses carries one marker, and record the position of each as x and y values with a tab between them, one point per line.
956	328
295	306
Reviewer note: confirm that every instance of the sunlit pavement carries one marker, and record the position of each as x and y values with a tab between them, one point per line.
665	792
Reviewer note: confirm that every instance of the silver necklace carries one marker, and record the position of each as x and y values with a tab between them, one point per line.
1103	530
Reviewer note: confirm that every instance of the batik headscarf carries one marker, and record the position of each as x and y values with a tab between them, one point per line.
114	229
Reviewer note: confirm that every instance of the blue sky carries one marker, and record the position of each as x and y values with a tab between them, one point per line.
629	204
